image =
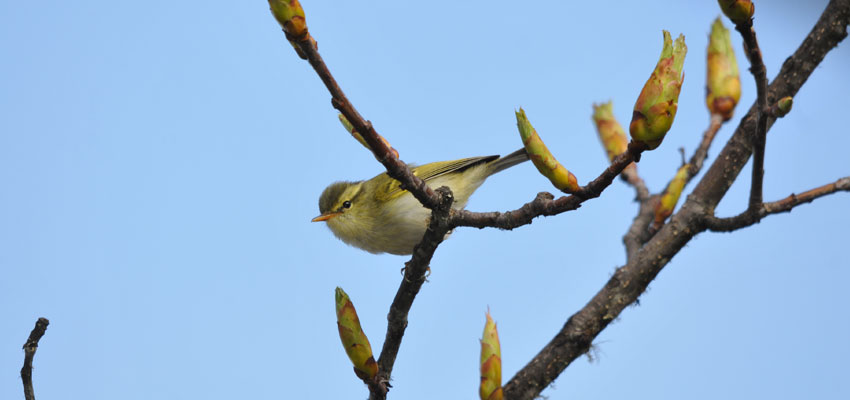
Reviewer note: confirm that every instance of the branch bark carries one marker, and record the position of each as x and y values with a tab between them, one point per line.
30	347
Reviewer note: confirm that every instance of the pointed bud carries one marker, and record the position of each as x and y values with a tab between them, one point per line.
723	83
611	134
783	106
671	195
739	11
491	363
353	339
545	162
350	128
290	16
656	106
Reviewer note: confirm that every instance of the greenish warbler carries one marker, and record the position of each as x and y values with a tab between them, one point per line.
379	217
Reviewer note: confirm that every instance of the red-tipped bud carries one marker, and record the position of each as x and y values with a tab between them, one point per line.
612	135
542	158
353	339
723	83
290	16
671	195
491	363
350	129
656	106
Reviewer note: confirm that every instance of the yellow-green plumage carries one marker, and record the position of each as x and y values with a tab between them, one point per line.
378	216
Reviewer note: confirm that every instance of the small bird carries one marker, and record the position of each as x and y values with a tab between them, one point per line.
380	217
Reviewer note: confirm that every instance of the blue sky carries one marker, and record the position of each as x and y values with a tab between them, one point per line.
160	163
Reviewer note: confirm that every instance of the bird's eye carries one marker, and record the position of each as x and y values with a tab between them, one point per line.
346	204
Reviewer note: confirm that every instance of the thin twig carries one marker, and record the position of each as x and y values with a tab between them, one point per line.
631	176
639	232
29	353
785	205
415	272
440	204
759	137
701	153
544	204
396	169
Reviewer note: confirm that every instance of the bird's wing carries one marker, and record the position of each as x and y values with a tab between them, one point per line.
429	172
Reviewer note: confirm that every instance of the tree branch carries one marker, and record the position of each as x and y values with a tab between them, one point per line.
396	169
631	176
757	68
631	280
439	202
785	205
415	272
639	232
830	29
29	353
545	204
701	153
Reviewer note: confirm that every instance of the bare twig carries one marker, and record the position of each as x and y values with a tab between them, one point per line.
396	169
759	137
641	230
785	205
545	204
414	276
439	203
701	152
29	353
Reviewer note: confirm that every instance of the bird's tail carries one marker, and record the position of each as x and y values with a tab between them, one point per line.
510	160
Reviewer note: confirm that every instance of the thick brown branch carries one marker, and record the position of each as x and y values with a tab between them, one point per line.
631	280
785	205
415	272
622	289
396	169
29	353
545	204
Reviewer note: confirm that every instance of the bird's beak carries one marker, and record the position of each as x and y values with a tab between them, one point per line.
325	217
